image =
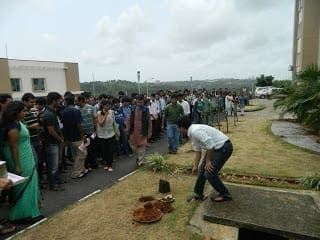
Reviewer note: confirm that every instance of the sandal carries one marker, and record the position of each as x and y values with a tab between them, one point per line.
7	229
195	198
221	198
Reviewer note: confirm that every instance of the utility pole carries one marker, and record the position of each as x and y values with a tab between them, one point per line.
93	88
138	73
6	51
191	87
147	88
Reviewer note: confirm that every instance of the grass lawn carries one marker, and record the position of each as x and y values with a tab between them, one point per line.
108	215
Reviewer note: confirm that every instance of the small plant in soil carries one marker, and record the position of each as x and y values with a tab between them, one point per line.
157	163
311	180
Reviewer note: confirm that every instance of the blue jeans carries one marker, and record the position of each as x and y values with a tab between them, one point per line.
53	157
173	134
36	150
218	160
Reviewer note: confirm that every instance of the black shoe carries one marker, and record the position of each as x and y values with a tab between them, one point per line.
57	188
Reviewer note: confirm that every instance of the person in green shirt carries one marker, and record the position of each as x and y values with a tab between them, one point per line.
172	113
53	139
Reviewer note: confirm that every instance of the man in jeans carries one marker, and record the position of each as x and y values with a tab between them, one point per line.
74	136
172	113
53	140
219	148
88	115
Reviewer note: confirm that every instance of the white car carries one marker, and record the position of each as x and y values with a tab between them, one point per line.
263	92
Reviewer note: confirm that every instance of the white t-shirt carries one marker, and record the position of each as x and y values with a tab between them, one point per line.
186	107
204	137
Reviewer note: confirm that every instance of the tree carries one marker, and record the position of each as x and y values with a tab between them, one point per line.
263	81
303	99
287	85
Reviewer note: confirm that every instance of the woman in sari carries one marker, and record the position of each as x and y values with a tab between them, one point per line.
17	152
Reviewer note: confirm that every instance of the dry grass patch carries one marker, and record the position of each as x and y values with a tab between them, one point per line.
108	215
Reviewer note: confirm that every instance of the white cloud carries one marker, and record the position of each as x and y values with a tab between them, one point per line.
49	37
40	4
127	28
121	39
167	39
199	24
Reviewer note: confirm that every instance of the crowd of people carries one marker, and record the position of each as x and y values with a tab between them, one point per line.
41	136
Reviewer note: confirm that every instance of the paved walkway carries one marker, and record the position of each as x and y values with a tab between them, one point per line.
286	128
268	211
296	134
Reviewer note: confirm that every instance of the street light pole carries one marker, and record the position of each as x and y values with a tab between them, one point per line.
191	86
138	73
93	88
147	88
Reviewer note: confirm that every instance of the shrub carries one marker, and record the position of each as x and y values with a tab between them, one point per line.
311	180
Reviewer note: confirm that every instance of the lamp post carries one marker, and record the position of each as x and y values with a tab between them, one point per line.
147	88
93	88
147	82
138	73
191	87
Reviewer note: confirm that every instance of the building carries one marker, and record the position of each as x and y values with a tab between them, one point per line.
306	39
38	77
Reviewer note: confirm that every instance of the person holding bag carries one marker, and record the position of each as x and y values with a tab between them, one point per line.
106	133
18	154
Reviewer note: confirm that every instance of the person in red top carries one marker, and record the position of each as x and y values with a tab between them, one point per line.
139	129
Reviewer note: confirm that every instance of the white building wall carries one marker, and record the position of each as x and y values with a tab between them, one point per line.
25	70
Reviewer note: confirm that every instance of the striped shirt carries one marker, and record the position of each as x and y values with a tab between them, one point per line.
31	118
88	114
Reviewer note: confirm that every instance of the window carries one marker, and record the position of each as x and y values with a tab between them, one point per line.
15	84
38	84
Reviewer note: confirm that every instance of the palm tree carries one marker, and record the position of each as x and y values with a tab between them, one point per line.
303	99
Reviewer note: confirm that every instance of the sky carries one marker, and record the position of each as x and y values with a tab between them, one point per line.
166	40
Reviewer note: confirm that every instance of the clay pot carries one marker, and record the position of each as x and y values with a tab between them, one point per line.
164	186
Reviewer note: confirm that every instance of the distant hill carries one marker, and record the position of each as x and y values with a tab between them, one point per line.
112	87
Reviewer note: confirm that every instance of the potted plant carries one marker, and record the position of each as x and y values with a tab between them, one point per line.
157	163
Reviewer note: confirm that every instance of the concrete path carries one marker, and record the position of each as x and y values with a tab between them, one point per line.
296	134
281	213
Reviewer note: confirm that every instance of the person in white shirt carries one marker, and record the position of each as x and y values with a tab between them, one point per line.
218	150
154	114
184	104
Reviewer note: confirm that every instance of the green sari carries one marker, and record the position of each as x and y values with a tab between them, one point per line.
26	196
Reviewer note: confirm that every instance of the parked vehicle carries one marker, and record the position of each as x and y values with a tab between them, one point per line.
260	92
266	92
